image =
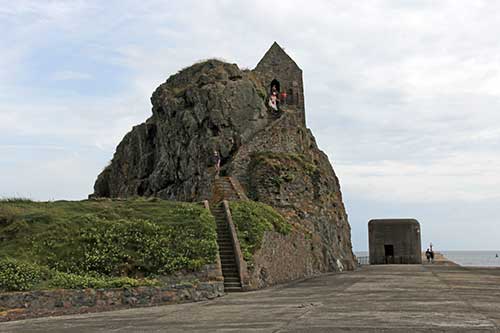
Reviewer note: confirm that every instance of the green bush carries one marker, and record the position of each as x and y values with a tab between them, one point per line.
17	276
74	281
107	238
124	247
253	219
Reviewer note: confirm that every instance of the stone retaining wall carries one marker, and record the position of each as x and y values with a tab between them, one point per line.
21	305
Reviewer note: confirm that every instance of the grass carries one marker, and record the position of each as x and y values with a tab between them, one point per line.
93	242
252	220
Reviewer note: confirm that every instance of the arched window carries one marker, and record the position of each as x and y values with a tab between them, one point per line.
274	83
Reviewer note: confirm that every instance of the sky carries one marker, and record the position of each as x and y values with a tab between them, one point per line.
403	96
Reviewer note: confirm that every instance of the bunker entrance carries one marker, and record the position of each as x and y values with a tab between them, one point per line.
389	253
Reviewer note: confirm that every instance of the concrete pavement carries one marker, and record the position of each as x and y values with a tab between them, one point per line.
385	298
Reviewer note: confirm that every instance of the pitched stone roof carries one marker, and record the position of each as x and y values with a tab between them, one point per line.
274	56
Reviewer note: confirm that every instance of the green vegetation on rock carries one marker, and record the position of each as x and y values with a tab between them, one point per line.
284	166
101	243
253	219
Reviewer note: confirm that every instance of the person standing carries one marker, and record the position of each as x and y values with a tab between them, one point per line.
428	255
216	159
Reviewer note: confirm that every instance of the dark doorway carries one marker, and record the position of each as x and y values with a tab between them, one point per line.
389	253
275	83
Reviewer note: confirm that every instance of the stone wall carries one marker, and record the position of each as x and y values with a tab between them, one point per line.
285	258
198	286
283	167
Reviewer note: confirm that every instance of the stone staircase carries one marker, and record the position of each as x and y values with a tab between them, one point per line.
226	251
227	188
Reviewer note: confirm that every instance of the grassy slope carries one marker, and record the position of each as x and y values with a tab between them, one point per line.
107	238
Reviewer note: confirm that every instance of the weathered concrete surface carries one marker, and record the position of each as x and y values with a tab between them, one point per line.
386	298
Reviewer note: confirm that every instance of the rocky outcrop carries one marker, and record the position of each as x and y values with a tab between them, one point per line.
215	106
209	106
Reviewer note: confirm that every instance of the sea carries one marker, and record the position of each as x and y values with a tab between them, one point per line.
464	258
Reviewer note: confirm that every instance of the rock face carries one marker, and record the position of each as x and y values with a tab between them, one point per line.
215	106
209	106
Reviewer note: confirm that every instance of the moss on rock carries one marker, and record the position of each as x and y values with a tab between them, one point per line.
252	220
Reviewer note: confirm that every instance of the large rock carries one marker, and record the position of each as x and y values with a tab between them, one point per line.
209	106
214	105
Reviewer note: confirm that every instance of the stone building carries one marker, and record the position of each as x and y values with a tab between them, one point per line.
394	241
278	68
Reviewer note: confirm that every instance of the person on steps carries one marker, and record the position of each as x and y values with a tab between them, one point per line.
216	160
273	101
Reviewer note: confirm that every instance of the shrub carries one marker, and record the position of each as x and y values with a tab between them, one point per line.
125	247
74	281
17	276
135	237
252	220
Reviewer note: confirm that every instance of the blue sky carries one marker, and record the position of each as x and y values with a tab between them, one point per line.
403	96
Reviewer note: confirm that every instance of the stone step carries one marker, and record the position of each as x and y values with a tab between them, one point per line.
228	260
234	274
232	289
232	278
226	255
224	240
229	268
224	236
229	265
231	283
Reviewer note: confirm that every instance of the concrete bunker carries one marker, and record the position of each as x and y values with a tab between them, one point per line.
394	241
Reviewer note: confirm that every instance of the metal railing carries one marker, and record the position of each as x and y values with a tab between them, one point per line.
365	260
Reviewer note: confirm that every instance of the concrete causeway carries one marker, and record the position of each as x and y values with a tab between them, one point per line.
385	298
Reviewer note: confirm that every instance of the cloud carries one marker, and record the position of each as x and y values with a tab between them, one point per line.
463	177
70	75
